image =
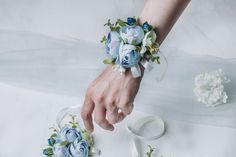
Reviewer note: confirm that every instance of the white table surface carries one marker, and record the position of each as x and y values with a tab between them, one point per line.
26	115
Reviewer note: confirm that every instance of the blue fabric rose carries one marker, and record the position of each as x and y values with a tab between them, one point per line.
69	134
113	44
58	139
79	148
60	151
132	34
128	56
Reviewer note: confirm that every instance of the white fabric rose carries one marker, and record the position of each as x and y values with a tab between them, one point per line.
149	38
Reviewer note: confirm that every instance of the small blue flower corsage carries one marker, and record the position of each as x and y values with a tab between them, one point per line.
70	141
129	44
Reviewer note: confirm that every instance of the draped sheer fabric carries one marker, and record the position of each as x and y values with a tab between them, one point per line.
205	27
67	67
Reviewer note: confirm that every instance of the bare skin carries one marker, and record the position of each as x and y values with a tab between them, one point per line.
108	93
111	95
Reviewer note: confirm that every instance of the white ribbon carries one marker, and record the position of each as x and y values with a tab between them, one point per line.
135	70
147	65
134	148
132	129
142	123
65	112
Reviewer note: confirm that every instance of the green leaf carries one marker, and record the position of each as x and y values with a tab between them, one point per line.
104	39
155	59
112	26
54	129
150	151
108	23
87	136
138	48
74	126
155	46
54	135
73	122
121	23
108	61
64	143
48	151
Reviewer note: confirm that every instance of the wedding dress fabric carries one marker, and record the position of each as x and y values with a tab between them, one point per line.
67	67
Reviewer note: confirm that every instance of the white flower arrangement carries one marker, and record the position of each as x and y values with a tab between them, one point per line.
128	44
209	88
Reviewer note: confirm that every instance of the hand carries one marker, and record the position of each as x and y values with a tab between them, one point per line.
110	96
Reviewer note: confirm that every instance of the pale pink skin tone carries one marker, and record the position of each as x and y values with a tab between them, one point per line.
110	97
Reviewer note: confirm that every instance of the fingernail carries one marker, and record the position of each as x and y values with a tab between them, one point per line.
111	129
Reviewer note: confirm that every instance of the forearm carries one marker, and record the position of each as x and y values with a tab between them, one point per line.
162	14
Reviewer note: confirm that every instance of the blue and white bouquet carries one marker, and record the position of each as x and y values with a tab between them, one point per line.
69	141
128	44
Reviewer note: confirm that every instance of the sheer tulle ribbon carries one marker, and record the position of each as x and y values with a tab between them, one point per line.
158	127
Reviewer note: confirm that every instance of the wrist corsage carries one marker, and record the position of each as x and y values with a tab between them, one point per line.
129	44
70	141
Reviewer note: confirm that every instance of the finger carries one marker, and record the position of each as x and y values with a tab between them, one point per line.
100	118
86	113
121	116
113	116
126	108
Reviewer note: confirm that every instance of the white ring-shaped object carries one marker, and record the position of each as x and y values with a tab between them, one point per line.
147	128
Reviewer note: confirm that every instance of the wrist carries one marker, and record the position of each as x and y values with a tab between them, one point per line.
142	69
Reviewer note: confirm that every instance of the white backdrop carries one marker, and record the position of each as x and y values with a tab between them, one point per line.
40	74
207	26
